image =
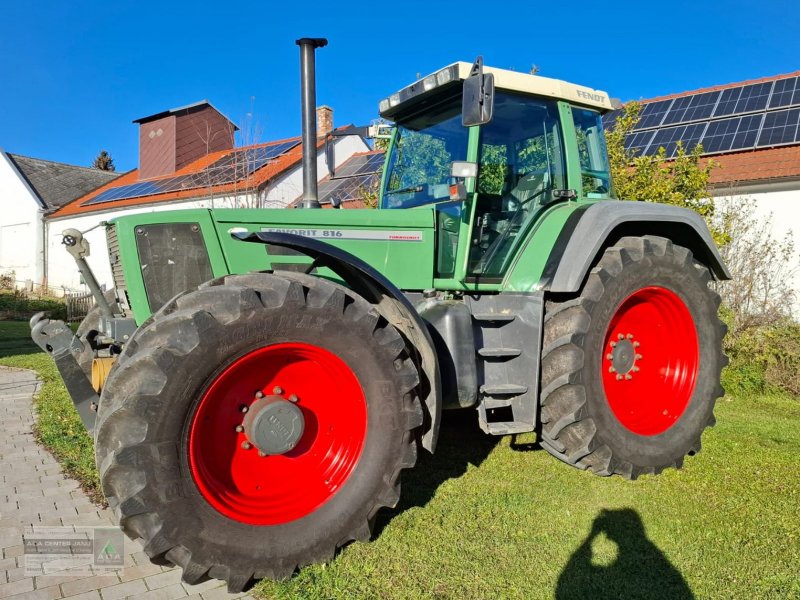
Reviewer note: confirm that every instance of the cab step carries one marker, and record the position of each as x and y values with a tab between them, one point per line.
505	389
507	329
494	317
499	352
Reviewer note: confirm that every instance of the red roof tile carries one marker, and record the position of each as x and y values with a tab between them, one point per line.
756	165
258	178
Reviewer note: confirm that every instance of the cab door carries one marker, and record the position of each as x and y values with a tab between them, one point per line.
521	163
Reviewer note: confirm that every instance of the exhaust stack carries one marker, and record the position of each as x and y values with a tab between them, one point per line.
308	106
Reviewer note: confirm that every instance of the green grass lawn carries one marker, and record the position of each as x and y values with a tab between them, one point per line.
496	518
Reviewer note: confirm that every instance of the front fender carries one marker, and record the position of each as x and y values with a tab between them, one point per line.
590	230
389	301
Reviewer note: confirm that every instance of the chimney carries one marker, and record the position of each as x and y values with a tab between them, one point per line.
324	120
170	140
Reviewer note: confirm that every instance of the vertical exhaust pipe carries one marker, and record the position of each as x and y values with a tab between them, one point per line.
308	106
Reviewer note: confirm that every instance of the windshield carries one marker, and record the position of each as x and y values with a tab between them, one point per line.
418	170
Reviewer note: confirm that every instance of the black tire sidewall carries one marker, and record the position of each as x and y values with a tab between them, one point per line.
681	438
218	539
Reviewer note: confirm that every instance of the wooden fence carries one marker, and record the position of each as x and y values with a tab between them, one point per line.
78	305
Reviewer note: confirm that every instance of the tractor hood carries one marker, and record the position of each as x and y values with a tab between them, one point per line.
157	255
398	243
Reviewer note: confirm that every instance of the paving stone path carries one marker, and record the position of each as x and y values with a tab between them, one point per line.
35	493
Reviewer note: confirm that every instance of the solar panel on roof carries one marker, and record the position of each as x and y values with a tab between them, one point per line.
228	169
373	164
668	138
747	132
755	115
610	119
653	113
691	108
719	135
785	93
638	141
780	127
743	99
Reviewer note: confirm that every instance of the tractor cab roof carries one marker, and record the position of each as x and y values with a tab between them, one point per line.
503	79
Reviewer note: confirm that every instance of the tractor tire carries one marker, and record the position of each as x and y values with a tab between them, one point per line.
182	467
86	332
631	367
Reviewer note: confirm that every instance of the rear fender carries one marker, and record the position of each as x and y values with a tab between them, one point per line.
389	301
589	231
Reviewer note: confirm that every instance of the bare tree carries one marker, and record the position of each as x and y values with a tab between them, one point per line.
236	175
762	291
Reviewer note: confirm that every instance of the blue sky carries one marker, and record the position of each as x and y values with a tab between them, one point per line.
73	75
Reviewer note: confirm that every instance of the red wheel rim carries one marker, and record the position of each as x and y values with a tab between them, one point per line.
269	490
650	360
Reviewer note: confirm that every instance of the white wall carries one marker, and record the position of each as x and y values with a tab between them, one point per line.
20	226
61	267
782	203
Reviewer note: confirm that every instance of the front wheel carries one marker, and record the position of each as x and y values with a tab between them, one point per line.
257	424
631	367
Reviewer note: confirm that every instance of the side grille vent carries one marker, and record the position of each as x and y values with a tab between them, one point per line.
116	269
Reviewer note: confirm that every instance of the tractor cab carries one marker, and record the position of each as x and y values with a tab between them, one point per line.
492	150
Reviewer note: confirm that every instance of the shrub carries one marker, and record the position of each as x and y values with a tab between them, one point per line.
16	305
763	342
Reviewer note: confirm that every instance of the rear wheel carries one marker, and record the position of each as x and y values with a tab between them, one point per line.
256	425
631	367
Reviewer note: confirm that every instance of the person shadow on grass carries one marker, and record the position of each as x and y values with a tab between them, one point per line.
639	570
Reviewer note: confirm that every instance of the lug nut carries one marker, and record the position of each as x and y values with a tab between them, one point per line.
638	357
244	408
619	377
246	445
613	344
612	370
635	369
628	376
259	394
262	454
277	390
293	398
609	356
635	344
629	336
239	429
620	336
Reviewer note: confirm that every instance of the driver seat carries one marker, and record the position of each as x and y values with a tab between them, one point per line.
528	187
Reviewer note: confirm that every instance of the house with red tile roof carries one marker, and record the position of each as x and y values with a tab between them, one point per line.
750	129
187	159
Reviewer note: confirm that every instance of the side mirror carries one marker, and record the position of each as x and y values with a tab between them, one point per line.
477	103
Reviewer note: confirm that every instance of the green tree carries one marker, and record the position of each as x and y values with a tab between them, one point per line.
680	181
104	162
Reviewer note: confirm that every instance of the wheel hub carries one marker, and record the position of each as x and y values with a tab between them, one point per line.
623	356
273	425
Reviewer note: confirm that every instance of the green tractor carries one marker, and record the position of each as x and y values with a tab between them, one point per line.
274	371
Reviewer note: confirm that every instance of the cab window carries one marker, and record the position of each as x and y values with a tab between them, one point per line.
592	151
